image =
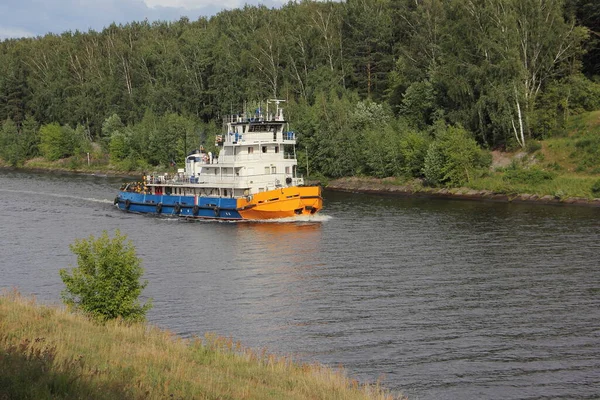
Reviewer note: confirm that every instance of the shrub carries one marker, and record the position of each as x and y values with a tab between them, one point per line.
596	188
413	147
453	158
106	284
532	146
532	176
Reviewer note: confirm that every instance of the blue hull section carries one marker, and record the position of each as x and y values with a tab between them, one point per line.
180	206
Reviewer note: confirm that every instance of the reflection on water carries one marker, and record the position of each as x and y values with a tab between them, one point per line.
293	244
445	299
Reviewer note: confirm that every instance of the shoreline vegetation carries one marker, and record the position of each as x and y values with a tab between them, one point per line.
372	99
47	352
415	189
562	170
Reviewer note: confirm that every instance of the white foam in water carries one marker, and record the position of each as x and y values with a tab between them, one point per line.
64	196
290	220
300	218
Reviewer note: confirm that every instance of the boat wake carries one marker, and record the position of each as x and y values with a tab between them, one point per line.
63	196
300	218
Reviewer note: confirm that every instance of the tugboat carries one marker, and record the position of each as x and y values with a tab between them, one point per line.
253	177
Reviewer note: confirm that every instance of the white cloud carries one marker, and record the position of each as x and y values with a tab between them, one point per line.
191	4
30	18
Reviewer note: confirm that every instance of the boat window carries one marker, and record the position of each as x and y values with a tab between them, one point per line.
287	170
266	170
276	149
261	190
250	150
273	169
264	149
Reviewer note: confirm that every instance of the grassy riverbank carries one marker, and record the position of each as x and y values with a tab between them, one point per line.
564	169
46	352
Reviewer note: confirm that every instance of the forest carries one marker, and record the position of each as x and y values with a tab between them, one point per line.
415	88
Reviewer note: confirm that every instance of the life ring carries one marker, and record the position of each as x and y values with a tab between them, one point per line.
217	211
127	204
116	201
159	208
196	209
177	208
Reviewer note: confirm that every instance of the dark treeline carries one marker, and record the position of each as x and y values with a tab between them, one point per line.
376	87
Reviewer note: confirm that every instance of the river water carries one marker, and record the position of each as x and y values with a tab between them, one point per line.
440	299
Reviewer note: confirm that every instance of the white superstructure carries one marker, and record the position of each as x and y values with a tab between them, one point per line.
257	154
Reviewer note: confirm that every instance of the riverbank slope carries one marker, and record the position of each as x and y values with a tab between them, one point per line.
391	186
558	170
46	352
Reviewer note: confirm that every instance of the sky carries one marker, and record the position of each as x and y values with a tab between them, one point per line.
30	18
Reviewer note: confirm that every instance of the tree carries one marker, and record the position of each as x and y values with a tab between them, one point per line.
106	284
52	142
453	157
500	55
31	137
367	37
587	13
10	143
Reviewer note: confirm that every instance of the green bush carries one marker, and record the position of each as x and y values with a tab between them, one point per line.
453	158
106	284
532	146
587	152
413	147
596	188
532	176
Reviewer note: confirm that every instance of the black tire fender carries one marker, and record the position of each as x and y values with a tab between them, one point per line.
159	208
196	209
127	204
217	211
177	208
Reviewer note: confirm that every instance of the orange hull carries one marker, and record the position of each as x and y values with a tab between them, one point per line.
281	203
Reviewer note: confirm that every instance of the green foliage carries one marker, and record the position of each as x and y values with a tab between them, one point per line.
148	93
118	146
596	188
418	104
587	151
31	137
532	146
434	164
111	126
106	284
453	158
413	147
53	143
16	145
10	143
533	176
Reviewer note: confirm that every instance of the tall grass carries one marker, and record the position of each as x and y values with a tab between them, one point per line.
46	352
